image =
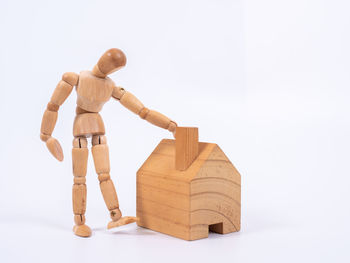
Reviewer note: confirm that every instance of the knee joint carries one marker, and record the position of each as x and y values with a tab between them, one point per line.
79	180
103	177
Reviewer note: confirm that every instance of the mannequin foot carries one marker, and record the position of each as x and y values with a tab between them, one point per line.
122	221
82	230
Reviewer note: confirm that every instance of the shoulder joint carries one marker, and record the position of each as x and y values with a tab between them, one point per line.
71	78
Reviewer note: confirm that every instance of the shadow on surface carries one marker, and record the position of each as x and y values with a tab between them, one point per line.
138	231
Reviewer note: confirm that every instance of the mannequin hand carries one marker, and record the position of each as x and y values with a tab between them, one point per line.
55	148
172	128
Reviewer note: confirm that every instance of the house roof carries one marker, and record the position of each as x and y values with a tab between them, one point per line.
162	163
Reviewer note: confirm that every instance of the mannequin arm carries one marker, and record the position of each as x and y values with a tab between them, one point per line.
129	101
62	91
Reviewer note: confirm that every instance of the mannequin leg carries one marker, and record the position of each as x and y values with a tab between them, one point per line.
79	158
100	154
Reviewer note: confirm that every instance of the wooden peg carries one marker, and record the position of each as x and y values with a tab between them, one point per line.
186	147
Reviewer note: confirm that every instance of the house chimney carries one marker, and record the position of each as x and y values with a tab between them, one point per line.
186	147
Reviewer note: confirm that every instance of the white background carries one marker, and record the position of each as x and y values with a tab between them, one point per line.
266	80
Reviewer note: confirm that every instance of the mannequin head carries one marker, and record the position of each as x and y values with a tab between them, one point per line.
111	61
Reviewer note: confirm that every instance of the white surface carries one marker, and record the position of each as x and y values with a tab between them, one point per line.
266	80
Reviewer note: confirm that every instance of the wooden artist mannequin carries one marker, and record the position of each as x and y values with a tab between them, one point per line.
94	89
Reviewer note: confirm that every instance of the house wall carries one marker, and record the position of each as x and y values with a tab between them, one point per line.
215	196
163	204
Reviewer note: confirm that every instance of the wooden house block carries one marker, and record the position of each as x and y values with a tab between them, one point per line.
187	204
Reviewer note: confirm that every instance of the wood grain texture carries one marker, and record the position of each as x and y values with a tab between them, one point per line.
79	199
100	153
48	122
185	204
62	91
157	119
93	92
129	101
109	194
186	147
79	160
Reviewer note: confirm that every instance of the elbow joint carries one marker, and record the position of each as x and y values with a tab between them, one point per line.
143	113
